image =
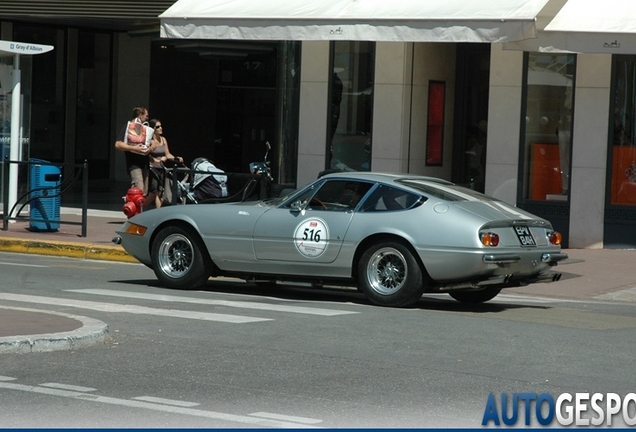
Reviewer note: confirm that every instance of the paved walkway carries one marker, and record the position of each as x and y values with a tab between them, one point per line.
589	274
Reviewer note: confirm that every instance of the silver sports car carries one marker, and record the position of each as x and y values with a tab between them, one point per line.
394	236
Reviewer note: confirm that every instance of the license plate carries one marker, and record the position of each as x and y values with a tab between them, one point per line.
525	236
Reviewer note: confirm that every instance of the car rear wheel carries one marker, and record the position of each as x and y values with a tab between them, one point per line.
389	275
179	259
480	296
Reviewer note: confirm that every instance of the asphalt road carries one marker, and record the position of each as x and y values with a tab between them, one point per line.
238	355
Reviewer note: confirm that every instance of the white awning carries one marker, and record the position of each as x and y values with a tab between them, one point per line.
588	26
369	20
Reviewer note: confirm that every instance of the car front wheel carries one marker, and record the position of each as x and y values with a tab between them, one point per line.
179	259
389	275
480	296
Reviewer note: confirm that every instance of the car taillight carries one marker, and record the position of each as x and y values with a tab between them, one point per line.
489	239
555	238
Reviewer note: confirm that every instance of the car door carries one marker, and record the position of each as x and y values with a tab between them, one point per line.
312	226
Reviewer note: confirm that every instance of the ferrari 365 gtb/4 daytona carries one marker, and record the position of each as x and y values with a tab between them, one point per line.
394	236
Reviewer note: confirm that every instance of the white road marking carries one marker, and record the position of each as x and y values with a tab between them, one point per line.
6	378
132	309
521	298
228	303
68	387
166	401
22	265
247	420
516	298
304	420
626	295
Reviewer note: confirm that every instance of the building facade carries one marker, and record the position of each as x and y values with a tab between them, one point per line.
550	132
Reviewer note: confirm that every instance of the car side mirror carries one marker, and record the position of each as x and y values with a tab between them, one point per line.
297	205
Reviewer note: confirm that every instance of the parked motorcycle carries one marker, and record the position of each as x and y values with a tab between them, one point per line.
263	171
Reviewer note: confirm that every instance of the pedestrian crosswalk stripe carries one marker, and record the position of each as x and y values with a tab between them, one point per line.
68	387
295	419
237	304
139	404
131	309
166	401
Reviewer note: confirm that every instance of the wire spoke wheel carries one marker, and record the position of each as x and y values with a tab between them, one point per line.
390	275
179	258
387	271
175	255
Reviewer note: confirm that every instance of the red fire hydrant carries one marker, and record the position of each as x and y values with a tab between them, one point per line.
134	202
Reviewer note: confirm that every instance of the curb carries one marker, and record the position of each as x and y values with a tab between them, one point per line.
92	332
66	249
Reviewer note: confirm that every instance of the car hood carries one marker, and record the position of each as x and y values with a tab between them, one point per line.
195	211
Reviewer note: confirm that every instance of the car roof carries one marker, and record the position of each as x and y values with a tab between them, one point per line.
441	189
384	177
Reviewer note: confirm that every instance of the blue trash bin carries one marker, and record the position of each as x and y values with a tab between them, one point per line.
45	198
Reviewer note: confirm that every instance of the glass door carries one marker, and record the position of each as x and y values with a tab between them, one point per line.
546	144
620	207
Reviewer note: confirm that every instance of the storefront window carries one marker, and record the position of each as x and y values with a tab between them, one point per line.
93	102
6	85
623	154
549	94
351	107
44	96
246	93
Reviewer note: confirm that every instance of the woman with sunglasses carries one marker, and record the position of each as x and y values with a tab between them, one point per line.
159	154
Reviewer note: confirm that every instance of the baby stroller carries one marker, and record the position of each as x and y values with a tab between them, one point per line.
205	183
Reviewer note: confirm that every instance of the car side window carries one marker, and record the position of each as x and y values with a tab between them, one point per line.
339	195
334	195
387	198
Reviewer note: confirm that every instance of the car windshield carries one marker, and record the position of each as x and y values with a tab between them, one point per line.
445	191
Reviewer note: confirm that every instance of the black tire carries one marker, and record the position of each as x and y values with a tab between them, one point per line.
389	275
179	258
480	296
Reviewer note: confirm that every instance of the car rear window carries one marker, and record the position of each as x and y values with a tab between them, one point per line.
447	191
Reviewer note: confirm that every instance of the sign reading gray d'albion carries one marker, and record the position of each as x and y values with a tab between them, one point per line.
12	47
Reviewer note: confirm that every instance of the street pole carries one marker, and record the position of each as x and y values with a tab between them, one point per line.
15	133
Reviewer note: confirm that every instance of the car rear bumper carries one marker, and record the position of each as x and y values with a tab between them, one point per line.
550	258
459	265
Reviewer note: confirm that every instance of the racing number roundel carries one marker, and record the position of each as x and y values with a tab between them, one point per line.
311	237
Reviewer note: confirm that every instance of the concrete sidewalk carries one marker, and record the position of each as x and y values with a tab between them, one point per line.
588	274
